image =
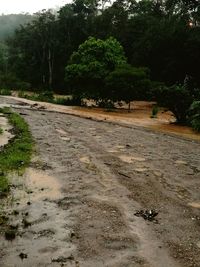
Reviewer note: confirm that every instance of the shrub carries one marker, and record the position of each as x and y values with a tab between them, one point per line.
177	99
155	110
5	92
194	115
108	104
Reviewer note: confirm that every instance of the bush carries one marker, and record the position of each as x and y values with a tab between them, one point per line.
155	110
177	99
5	92
46	96
194	115
108	104
70	101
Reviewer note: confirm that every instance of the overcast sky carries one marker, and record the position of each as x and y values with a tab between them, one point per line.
30	6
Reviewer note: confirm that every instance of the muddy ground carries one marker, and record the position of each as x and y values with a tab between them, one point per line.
75	205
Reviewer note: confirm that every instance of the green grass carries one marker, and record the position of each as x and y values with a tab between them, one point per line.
5	92
1	130
16	155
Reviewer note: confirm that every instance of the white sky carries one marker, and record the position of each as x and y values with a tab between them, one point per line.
29	6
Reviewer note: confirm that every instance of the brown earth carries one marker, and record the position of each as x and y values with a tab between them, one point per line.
76	203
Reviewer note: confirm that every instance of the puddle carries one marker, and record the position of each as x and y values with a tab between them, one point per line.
120	147
194	205
85	160
44	185
112	151
130	159
157	173
6	135
67	139
181	162
141	169
47	236
61	131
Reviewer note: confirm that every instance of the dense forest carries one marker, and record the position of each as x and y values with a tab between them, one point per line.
110	51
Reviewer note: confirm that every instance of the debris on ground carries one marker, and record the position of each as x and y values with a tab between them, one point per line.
147	214
23	255
63	259
10	235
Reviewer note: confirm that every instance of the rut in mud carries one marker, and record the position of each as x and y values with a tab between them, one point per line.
77	200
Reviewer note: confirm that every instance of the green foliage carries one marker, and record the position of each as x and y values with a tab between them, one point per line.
5	92
127	83
177	99
1	130
155	111
92	62
108	104
194	115
69	101
16	154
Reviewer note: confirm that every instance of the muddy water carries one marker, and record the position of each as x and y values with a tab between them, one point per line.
6	135
43	234
139	116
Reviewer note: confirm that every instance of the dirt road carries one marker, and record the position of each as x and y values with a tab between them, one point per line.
76	203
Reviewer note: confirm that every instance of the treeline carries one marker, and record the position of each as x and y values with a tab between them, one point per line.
9	23
160	42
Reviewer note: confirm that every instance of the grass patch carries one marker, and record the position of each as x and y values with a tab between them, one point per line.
5	92
1	130
16	155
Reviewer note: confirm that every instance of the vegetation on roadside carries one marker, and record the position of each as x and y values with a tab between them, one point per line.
16	155
194	114
5	92
109	52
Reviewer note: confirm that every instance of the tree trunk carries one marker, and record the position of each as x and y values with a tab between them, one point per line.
50	68
129	106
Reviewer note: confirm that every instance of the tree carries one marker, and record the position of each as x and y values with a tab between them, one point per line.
128	84
33	49
92	62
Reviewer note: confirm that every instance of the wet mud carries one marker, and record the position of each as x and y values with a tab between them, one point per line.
77	202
